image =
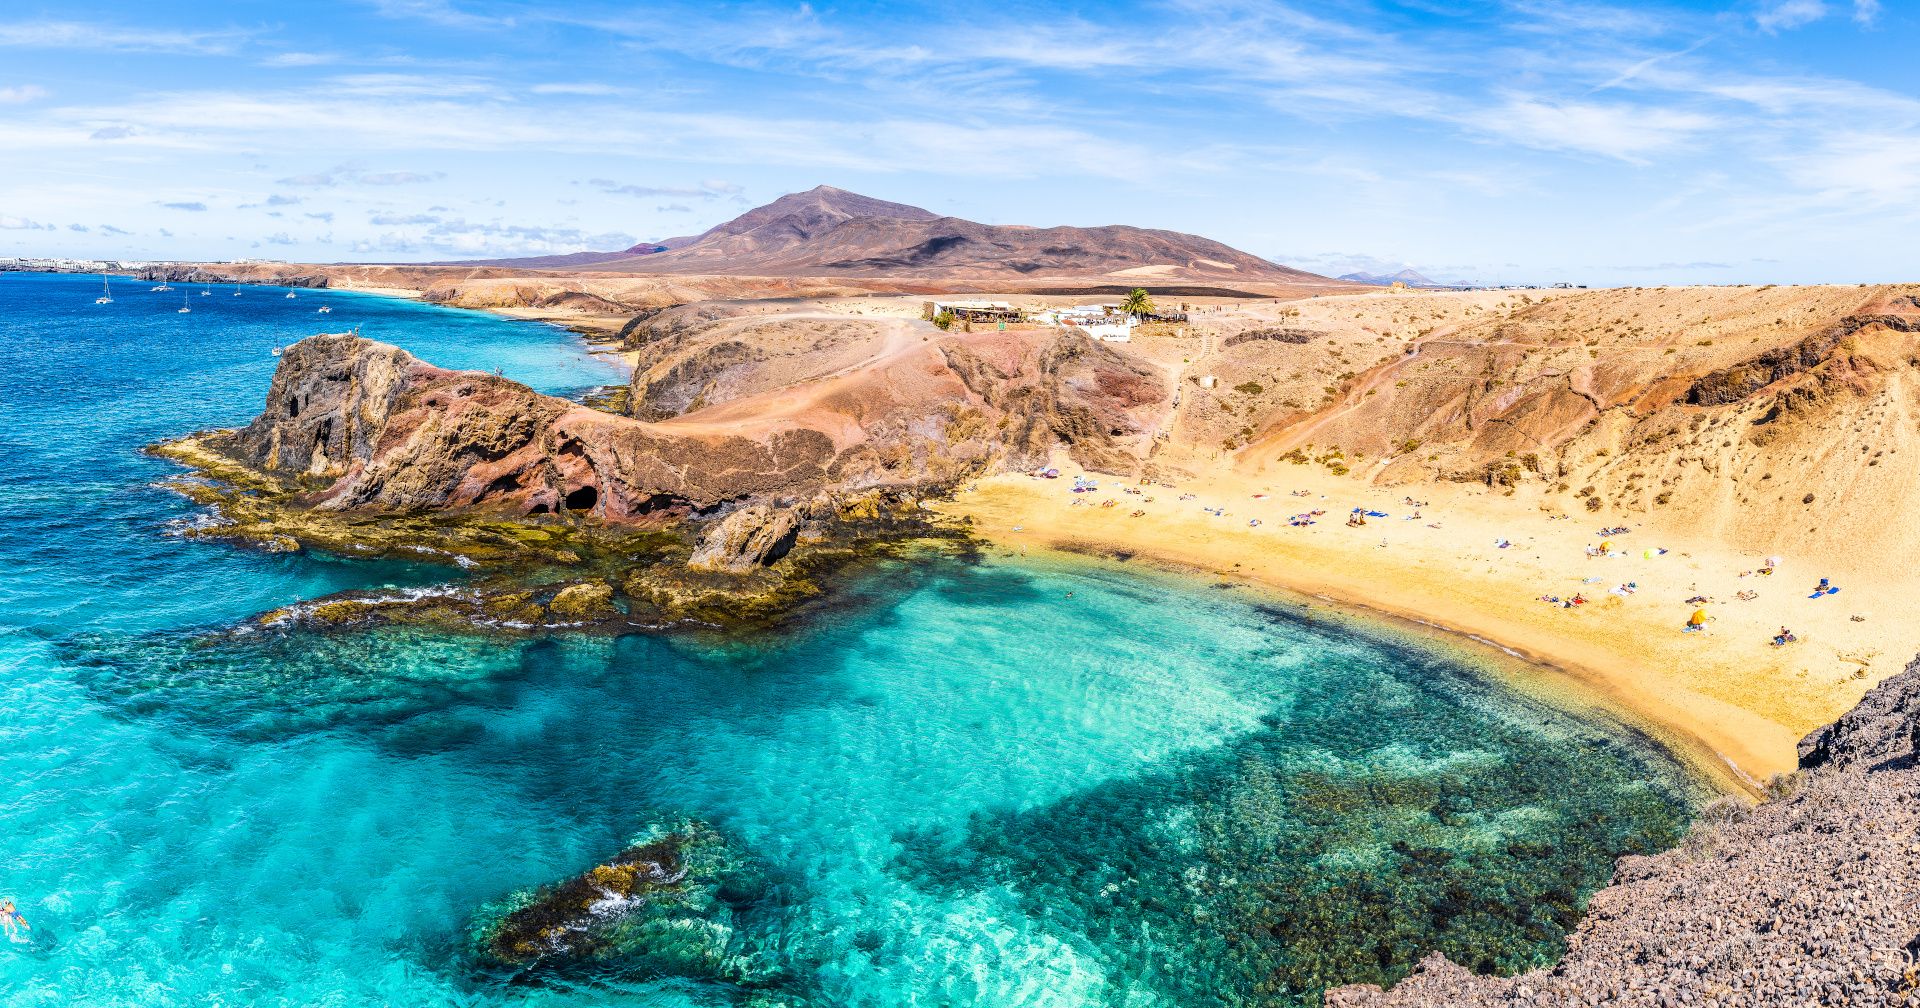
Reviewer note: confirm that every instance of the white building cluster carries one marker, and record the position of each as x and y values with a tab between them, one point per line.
1100	321
25	265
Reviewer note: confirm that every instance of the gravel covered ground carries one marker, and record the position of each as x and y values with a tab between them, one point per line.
1812	898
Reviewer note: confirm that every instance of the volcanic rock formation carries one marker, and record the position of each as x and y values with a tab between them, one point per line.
831	232
366	426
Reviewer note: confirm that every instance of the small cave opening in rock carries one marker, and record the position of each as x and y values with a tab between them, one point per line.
293	406
582	499
540	508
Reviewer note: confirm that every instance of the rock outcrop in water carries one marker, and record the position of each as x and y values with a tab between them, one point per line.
675	903
750	537
1811	898
373	427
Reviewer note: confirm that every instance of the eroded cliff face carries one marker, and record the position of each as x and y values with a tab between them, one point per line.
369	426
362	426
1811	898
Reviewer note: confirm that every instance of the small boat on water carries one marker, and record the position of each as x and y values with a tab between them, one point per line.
106	291
162	286
277	350
206	291
292	294
183	309
325	309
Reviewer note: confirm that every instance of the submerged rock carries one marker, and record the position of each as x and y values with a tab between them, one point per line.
1812	897
675	903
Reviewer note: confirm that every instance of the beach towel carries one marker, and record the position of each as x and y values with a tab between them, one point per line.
1376	514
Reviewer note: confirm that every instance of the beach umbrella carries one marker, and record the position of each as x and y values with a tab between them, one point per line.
1699	617
1606	545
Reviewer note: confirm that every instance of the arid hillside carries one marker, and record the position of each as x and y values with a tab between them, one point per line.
1765	415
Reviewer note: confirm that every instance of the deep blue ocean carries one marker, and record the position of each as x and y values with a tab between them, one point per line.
1001	782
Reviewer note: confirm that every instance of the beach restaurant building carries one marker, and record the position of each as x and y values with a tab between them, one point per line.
973	311
1104	322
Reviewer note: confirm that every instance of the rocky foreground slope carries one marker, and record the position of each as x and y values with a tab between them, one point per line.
1812	898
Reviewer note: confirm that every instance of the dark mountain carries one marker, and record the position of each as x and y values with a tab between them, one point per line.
831	232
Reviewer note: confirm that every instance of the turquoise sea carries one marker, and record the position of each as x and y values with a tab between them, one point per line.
991	782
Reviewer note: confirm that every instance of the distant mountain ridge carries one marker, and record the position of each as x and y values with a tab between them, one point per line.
831	232
1408	276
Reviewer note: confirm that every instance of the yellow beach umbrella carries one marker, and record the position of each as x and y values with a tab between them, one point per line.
1699	617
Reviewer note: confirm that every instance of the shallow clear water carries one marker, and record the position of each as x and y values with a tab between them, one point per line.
995	783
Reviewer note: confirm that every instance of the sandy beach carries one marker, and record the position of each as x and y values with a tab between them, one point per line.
1725	688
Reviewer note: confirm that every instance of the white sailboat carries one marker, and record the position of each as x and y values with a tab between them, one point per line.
325	309
291	294
183	309
206	290
106	291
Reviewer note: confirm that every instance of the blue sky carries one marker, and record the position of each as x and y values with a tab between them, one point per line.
1754	141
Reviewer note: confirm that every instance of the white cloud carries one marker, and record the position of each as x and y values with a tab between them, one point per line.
1866	12
1627	132
395	220
348	174
192	207
1862	170
79	35
1781	15
300	59
21	94
399	178
709	189
582	88
10	223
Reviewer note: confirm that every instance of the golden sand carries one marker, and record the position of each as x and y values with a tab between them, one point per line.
1726	689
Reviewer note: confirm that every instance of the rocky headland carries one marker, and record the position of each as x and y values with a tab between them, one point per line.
1810	898
571	516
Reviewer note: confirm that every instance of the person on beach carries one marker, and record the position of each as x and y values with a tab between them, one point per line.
12	922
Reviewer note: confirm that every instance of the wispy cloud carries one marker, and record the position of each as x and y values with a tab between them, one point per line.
12	223
352	174
575	88
709	189
1782	15
300	59
20	94
83	35
1626	132
191	207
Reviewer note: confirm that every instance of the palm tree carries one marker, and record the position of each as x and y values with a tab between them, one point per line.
1138	303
